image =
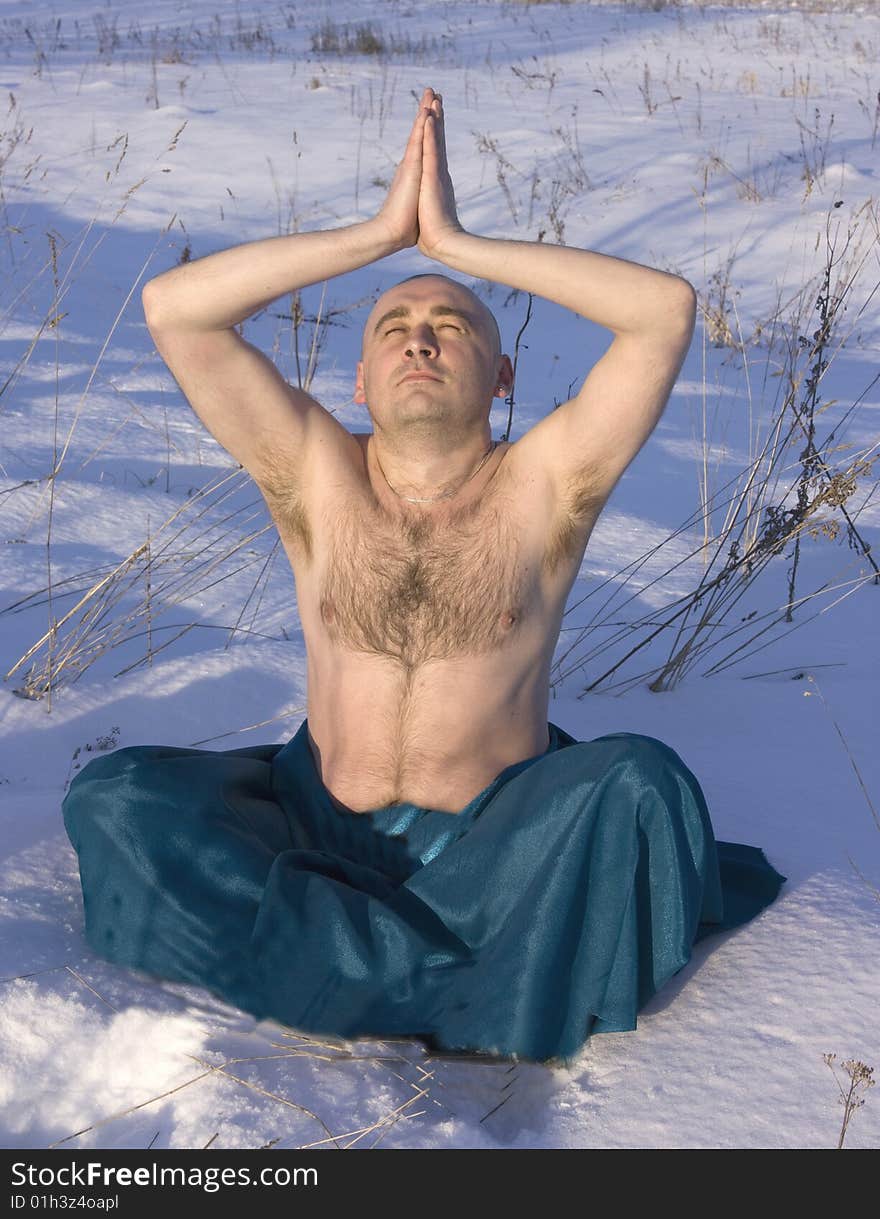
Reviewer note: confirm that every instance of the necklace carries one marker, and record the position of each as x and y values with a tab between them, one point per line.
444	494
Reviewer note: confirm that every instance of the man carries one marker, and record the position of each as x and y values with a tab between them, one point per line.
419	545
511	889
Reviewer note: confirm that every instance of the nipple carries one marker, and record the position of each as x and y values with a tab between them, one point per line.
328	612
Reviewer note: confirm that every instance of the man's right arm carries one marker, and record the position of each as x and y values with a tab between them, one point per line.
191	312
235	389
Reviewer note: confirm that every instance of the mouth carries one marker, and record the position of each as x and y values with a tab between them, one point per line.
419	376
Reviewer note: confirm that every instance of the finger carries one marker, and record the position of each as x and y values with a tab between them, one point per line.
430	147
426	99
416	136
418	126
439	131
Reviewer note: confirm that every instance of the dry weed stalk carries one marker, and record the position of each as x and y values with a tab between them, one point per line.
509	400
503	167
365	38
189	553
861	1078
760	521
874	118
186	556
861	782
814	150
78	256
307	1047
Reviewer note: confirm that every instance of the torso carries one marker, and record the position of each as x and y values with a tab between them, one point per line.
429	633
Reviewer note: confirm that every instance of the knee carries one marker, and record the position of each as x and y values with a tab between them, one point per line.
670	799
119	763
647	777
652	760
647	751
630	757
107	795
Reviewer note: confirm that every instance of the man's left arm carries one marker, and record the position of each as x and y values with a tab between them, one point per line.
591	439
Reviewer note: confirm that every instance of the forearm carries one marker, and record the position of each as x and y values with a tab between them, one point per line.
220	290
623	296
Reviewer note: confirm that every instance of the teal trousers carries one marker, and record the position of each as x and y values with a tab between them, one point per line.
551	908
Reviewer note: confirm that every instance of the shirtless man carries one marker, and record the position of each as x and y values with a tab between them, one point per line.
419	859
432	566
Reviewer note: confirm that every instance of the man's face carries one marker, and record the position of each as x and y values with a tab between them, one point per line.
430	356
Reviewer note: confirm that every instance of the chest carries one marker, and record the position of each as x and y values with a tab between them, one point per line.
418	589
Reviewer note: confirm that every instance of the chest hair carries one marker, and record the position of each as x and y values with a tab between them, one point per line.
418	588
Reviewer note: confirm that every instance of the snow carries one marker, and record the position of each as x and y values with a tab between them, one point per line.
710	141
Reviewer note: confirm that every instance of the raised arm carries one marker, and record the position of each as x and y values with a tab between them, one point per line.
588	442
236	391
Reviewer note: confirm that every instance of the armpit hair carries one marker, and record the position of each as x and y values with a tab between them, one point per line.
581	502
279	486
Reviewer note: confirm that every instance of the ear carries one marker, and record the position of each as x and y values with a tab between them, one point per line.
504	380
360	393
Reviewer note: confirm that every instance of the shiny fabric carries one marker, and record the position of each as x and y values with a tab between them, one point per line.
551	908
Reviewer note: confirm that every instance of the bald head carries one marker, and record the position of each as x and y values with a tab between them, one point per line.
473	303
431	359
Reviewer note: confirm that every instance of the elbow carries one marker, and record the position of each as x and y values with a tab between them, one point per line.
148	300
682	306
687	294
150	296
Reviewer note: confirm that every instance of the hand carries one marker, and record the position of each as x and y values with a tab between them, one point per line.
399	212
437	217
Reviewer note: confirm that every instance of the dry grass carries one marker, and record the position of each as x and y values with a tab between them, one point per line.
404	1063
188	555
201	543
766	510
861	1078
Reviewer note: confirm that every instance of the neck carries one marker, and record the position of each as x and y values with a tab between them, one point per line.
419	474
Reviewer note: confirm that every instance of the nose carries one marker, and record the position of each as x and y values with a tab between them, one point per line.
422	342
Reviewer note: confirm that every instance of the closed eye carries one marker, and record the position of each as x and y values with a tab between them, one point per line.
441	326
